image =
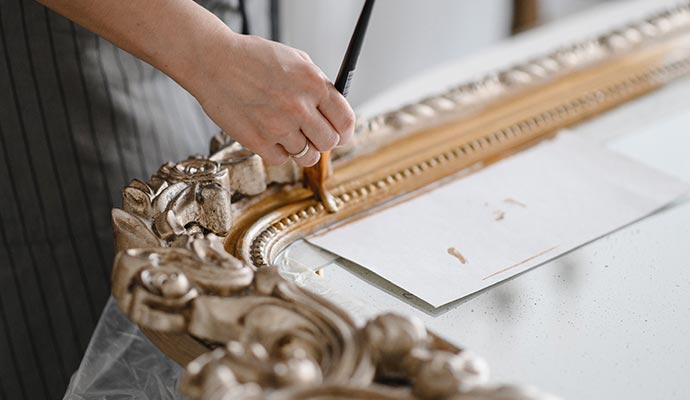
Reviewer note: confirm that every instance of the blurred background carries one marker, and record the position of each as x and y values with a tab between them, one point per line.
406	36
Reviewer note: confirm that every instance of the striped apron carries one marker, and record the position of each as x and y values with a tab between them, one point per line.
79	118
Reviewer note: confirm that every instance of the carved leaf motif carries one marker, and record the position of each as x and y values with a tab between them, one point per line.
137	198
205	204
166	195
132	231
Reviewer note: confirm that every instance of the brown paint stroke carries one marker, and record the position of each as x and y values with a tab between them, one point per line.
455	253
510	200
499	215
520	263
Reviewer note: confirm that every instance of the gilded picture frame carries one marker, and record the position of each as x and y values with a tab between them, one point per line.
196	243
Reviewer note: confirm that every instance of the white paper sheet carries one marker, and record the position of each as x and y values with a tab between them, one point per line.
504	219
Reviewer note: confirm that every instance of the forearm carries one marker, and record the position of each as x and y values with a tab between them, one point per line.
175	36
268	96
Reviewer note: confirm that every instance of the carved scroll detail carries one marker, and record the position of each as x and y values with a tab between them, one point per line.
400	349
270	339
274	339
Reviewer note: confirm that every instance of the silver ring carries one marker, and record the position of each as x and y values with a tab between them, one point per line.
302	153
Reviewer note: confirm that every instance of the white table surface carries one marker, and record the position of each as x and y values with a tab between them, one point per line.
610	319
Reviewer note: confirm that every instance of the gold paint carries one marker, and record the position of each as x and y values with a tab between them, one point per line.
510	200
520	263
455	253
315	179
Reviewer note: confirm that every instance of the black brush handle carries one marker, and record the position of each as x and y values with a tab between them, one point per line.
347	68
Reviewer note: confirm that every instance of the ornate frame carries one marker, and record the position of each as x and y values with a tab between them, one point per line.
195	243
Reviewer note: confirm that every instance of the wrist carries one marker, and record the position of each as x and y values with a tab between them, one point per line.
200	52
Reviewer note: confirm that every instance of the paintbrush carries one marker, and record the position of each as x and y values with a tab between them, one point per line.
315	177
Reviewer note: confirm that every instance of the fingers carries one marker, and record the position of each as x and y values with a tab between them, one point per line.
273	154
295	143
276	155
319	131
339	114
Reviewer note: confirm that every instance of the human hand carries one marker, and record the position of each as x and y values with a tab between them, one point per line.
268	96
274	100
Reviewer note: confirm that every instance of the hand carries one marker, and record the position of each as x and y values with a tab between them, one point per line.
273	100
269	97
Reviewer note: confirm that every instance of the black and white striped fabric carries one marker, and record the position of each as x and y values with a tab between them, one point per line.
79	118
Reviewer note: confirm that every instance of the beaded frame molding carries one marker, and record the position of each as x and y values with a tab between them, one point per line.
195	243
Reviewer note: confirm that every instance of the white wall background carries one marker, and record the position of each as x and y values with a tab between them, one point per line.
404	36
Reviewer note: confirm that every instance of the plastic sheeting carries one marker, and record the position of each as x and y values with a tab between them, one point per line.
320	272
121	363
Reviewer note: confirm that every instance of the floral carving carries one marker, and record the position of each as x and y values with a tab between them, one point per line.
159	295
158	287
402	348
279	340
182	199
193	170
197	192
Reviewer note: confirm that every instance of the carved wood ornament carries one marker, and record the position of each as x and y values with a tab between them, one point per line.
195	243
